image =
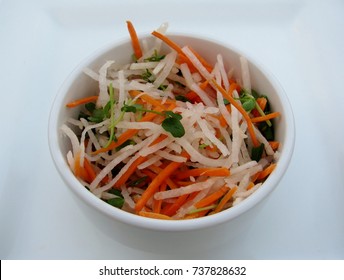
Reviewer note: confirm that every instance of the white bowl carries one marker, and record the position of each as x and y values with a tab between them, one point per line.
153	234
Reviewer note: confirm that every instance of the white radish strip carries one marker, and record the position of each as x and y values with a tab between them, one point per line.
246	193
175	147
198	157
92	74
75	122
153	160
183	190
139	125
192	85
210	135
269	151
127	197
122	96
73	138
174	158
159	67
243	167
169	60
104	97
237	135
176	78
237	177
70	160
223	72
245	73
118	158
195	61
189	206
143	65
152	149
223	109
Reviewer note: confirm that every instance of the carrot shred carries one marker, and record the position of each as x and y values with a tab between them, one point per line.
154	185
81	101
222	171
127	134
265	117
80	171
134	40
267	171
89	169
168	41
172	209
124	178
154	215
241	110
274	145
250	186
211	198
225	199
202	60
157	203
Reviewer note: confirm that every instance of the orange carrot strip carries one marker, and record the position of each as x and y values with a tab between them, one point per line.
204	85
168	41
124	178
157	203
241	110
90	171
81	101
274	145
126	135
262	101
212	198
267	171
168	180
154	185
79	170
134	40
225	199
222	171
202	60
154	215
171	209
266	117
250	186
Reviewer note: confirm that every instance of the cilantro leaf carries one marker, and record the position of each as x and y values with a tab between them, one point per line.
174	126
257	152
116	202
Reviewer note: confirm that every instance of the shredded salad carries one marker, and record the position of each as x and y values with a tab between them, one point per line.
170	136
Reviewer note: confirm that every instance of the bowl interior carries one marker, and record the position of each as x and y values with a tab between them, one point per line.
79	85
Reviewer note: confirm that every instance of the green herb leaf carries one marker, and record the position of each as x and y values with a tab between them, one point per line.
174	126
162	87
257	152
116	202
267	131
138	181
173	115
90	107
126	143
182	98
112	114
226	102
155	57
148	76
249	104
115	192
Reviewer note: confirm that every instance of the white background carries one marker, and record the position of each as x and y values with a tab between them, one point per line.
301	42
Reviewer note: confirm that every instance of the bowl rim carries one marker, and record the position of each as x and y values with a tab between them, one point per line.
168	225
